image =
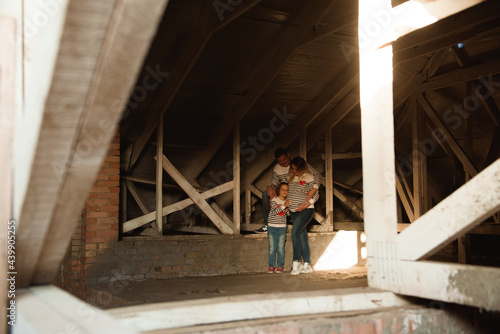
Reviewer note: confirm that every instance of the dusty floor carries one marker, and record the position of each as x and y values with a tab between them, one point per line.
189	288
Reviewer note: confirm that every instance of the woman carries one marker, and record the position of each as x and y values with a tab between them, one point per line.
303	193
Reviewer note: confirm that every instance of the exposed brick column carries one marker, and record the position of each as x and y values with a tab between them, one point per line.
100	228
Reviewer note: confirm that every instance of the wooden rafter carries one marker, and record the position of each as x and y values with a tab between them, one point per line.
211	22
448	137
7	107
288	39
466	208
171	208
448	31
196	197
101	83
138	198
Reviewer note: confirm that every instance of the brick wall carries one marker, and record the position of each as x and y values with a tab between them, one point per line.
133	259
98	227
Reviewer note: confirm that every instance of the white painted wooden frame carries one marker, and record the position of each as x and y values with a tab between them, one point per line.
392	258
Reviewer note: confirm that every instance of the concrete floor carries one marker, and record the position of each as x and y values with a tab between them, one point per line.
123	293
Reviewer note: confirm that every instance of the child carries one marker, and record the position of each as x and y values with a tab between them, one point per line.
276	233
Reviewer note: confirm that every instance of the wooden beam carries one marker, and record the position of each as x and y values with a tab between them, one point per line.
404	192
482	72
138	198
8	227
419	163
329	177
248	307
287	40
142	220
253	189
196	42
248	206
337	114
446	134
130	20
48	309
377	125
347	202
192	229
159	176
461	211
447	32
236	178
196	197
493	150
147	181
452	283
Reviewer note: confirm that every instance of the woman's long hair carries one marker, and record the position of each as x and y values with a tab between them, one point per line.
301	165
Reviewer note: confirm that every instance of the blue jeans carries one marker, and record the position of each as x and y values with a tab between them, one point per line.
276	237
300	239
265	206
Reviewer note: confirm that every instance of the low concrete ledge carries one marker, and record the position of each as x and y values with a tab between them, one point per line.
162	316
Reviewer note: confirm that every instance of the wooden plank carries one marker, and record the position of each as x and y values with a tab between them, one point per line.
138	198
379	185
452	283
147	181
329	177
418	163
348	155
159	176
348	187
337	114
255	306
248	206
192	229
54	147
196	197
97	112
464	209
446	32
236	178
255	191
494	149
404	196
347	202
142	220
48	309
377	142
196	41
451	78
446	134
8	50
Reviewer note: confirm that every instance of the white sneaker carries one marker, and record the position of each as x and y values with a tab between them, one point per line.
296	268
306	269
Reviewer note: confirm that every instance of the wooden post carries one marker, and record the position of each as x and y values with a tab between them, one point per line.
329	178
248	206
7	105
377	125
236	177
159	177
417	163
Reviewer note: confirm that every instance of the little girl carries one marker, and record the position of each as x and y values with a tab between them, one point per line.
276	233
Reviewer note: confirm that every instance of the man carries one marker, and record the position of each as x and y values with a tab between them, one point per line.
280	174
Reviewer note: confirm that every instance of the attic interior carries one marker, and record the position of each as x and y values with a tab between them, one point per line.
285	73
221	85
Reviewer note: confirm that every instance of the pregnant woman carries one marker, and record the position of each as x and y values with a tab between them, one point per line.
303	193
